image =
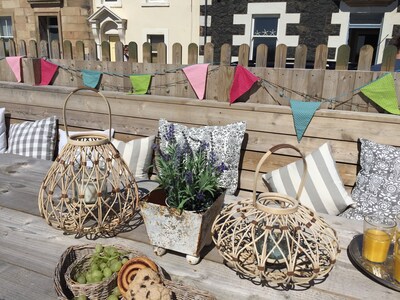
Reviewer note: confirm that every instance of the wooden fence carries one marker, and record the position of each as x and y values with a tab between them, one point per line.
337	89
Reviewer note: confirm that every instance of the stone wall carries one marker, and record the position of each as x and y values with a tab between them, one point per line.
72	19
313	29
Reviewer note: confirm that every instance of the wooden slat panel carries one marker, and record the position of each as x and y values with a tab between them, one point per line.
136	116
343	57
300	57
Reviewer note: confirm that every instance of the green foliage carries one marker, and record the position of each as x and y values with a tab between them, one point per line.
190	178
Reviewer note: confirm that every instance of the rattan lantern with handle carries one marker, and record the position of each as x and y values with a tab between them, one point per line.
273	238
89	189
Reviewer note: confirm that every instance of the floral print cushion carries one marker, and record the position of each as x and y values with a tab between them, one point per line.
224	141
377	188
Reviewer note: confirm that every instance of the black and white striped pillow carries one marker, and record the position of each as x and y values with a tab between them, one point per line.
137	154
323	190
35	139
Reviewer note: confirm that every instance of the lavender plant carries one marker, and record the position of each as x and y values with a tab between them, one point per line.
189	177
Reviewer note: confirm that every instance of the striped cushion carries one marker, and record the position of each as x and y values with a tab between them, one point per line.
35	139
3	137
323	191
63	139
137	154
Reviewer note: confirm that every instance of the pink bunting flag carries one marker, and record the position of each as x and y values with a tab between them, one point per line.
242	82
197	76
15	64
47	71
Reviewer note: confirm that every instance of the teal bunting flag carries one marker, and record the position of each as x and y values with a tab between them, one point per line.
303	112
140	83
383	92
91	78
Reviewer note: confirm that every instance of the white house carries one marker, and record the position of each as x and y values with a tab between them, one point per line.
154	21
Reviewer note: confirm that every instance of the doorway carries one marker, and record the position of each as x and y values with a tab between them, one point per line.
48	30
364	29
359	37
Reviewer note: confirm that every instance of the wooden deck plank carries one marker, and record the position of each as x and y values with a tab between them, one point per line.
20	230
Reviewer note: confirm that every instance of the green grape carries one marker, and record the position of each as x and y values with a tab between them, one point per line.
94	267
81	279
107	249
116	266
97	275
111	262
102	266
112	297
116	291
112	251
89	277
99	248
107	272
125	260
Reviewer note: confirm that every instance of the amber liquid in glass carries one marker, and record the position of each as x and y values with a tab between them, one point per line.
376	245
396	257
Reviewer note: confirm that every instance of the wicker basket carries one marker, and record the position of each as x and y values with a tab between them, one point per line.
89	189
273	238
75	253
99	290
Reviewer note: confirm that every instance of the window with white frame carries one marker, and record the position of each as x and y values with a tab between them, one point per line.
6	31
155	2
109	3
264	31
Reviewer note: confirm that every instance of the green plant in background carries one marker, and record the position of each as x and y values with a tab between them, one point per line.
189	177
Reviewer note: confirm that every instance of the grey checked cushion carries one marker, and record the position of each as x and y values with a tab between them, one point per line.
323	190
35	139
377	188
3	137
137	154
224	141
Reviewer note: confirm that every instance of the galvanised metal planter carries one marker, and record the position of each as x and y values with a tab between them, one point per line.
187	232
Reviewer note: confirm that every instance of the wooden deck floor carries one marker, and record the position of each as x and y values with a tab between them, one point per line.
30	250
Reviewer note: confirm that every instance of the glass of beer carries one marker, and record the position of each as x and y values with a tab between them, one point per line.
378	233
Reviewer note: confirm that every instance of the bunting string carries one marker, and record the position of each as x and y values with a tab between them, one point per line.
269	86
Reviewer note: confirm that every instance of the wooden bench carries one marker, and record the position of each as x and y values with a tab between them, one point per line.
135	116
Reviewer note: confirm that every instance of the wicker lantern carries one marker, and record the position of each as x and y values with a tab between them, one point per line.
89	189
272	238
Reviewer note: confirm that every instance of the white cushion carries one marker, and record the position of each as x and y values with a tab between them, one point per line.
62	136
137	154
323	190
3	136
35	139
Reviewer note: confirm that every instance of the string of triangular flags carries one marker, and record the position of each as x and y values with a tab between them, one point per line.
48	69
381	91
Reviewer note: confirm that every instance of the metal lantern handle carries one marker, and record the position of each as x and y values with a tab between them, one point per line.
88	89
277	196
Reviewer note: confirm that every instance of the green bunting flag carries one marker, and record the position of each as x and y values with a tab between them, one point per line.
303	112
383	92
140	83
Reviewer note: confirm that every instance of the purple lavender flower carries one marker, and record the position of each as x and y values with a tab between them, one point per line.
170	134
213	158
200	196
203	146
189	177
222	167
